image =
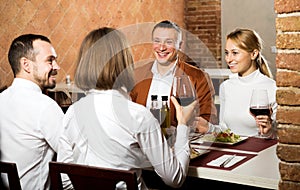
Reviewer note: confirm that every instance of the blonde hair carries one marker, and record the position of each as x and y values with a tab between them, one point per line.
104	61
249	40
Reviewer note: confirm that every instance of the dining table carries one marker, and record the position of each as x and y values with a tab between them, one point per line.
253	164
259	166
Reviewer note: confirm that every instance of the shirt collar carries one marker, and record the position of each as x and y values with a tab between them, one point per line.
249	77
24	83
171	70
111	92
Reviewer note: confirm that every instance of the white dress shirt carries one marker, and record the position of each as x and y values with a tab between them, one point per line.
30	125
106	129
235	94
161	84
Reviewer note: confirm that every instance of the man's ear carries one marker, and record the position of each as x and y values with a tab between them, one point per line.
25	64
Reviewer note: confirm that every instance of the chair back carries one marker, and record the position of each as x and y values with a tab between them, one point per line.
10	169
90	177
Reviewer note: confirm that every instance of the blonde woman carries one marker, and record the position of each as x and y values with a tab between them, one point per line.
250	71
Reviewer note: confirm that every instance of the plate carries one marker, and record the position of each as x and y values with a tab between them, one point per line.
210	138
195	152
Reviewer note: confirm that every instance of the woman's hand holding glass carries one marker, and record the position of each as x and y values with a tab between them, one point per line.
261	111
264	123
183	113
202	125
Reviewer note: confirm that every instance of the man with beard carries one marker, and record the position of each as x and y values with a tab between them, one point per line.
31	122
156	78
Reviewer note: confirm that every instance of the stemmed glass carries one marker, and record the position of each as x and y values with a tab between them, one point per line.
184	92
259	104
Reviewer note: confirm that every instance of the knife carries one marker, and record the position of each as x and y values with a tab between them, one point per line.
227	161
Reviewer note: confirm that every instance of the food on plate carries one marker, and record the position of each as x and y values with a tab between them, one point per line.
194	154
227	136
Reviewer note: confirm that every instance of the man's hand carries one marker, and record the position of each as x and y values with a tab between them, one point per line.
201	125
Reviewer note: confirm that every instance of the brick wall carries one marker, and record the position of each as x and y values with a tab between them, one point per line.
66	22
288	93
203	19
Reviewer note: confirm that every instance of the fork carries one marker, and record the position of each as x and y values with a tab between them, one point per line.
227	161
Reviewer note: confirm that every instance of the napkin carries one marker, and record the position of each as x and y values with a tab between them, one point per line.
217	162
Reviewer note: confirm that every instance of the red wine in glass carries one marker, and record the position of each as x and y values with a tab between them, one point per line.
263	110
183	90
259	104
184	101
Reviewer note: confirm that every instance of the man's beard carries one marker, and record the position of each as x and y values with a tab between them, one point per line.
46	83
53	83
50	86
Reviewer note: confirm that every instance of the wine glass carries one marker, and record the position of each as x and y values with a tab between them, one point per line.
259	104
184	92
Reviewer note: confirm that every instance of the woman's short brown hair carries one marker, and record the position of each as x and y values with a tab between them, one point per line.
104	61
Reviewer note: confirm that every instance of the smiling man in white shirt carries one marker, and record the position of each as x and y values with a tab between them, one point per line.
31	122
